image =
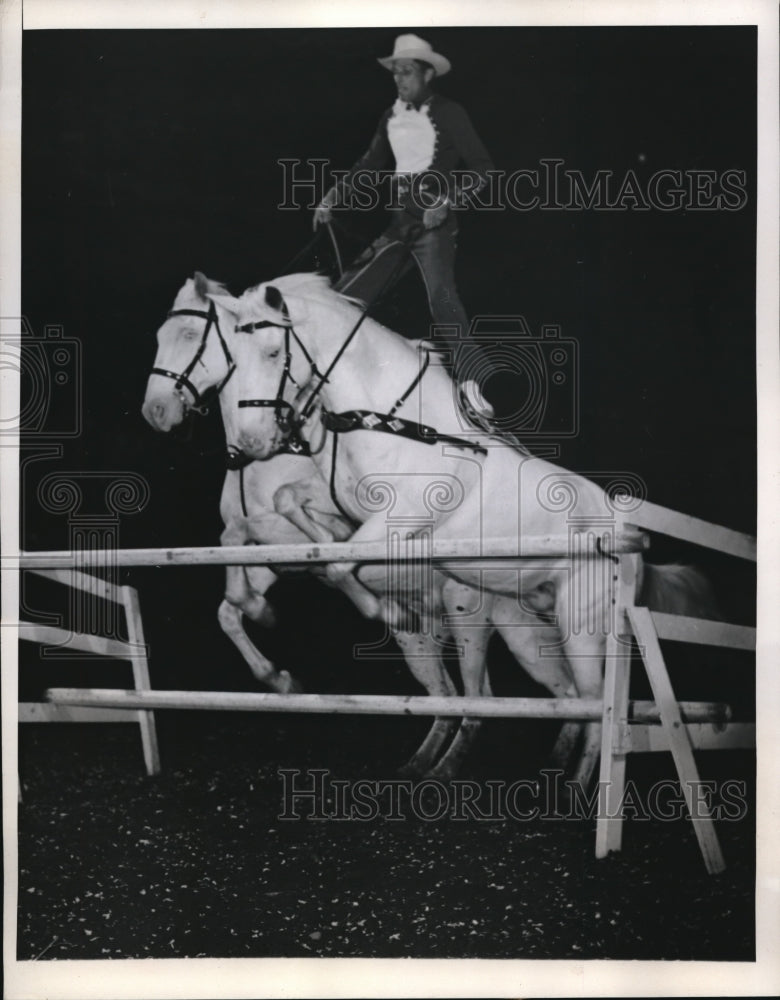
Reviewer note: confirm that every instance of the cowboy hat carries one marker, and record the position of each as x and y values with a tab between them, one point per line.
414	47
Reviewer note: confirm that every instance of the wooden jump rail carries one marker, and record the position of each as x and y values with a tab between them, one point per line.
651	517
566	709
413	549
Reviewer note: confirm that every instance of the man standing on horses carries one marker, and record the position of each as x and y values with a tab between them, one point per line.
425	136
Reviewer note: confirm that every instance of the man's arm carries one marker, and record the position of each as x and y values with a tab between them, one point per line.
376	157
472	152
469	148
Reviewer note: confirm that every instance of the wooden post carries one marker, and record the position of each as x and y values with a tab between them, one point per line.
617	678
679	741
140	663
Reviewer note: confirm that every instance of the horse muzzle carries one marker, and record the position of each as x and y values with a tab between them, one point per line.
163	413
260	447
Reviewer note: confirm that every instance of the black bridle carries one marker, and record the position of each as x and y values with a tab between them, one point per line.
182	379
288	421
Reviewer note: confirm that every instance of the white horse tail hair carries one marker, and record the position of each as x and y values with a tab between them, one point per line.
675	588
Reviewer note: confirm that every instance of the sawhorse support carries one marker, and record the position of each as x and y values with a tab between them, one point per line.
620	737
132	650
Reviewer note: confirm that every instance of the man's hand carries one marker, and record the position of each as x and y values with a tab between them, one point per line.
434	217
322	215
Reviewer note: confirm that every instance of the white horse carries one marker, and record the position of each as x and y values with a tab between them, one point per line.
192	357
194	354
460	482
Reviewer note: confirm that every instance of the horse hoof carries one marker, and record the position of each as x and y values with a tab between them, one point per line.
410	770
261	613
288	684
267	617
439	773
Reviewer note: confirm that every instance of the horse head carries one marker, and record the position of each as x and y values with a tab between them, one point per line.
273	369
192	355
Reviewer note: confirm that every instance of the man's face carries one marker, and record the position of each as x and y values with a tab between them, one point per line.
410	79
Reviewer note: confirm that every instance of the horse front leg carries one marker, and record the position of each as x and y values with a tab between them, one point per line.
241	598
246	586
290	501
229	616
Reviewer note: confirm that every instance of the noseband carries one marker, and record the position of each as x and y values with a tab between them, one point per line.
199	401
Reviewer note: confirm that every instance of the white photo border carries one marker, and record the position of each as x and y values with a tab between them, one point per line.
191	978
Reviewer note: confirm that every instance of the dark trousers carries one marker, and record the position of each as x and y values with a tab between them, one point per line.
387	259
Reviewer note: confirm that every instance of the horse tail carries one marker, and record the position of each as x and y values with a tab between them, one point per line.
675	588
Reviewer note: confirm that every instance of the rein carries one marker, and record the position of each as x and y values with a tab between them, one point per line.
311	401
200	402
305	252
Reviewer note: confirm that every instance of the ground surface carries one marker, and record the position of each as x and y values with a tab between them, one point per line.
196	862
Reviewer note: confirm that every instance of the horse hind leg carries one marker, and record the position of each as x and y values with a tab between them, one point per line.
586	657
471	629
536	646
423	657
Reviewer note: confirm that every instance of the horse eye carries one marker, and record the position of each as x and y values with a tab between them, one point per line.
189	334
274	353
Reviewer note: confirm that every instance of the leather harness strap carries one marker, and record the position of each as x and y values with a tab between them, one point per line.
386	423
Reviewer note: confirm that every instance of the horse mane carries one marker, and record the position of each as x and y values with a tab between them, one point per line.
319	285
321	290
301	280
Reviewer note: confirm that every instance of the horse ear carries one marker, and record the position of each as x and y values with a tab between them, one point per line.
273	297
201	284
229	302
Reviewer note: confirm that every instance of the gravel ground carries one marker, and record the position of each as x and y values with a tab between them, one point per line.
196	862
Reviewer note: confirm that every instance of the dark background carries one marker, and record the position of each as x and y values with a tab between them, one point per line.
147	155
